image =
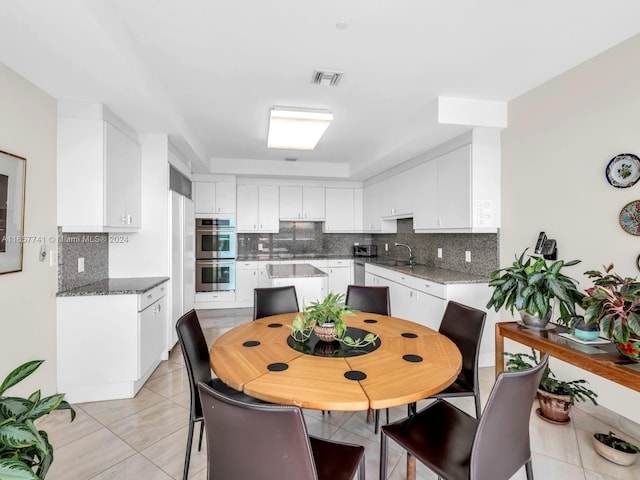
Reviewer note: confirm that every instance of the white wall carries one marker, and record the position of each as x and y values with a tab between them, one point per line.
27	298
560	138
146	253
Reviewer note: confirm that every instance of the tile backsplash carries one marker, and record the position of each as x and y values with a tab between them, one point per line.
93	247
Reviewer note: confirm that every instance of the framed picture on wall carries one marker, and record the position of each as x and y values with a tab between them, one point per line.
12	183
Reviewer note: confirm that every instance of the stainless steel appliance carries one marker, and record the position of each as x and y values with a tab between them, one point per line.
215	238
361	253
215	275
215	254
365	250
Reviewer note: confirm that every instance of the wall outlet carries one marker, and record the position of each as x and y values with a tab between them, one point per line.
260	247
386	247
467	256
80	264
439	253
53	258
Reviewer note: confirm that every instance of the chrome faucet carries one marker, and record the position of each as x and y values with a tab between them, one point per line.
411	259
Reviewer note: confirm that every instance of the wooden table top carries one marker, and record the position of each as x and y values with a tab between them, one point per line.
317	382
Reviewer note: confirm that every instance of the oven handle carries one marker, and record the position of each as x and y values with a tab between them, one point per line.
215	230
216	263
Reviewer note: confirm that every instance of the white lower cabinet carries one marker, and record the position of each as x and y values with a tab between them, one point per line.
246	281
109	345
340	275
423	301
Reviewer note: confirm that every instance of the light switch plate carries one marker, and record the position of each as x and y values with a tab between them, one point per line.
439	253
467	256
80	264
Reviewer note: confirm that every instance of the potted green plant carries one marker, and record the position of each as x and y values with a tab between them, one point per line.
614	303
615	449
530	285
326	320
554	396
25	451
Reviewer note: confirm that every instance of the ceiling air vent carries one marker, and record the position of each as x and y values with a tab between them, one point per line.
326	78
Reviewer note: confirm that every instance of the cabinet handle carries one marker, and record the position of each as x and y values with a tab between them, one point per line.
150	296
129	219
124	219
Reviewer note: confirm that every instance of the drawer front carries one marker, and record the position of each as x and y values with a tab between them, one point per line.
432	288
147	298
340	263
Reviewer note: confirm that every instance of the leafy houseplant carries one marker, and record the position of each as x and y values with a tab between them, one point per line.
615	449
554	407
327	318
614	303
529	286
25	451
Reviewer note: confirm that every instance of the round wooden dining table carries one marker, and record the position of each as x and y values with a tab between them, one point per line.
408	363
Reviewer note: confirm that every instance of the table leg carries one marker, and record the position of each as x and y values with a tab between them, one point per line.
499	350
370	415
411	467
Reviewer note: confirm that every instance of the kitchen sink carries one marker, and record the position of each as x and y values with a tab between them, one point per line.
392	263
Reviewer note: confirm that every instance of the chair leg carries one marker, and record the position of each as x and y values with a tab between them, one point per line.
412	409
478	406
383	456
187	456
387	416
201	432
411	467
529	469
361	469
376	421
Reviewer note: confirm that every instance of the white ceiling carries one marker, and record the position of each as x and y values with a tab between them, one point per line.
207	72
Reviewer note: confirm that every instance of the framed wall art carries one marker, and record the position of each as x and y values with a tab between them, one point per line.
12	185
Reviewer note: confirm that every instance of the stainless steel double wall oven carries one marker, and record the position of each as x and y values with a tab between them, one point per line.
215	254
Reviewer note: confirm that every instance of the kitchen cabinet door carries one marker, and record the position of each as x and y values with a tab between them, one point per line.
268	214
247	208
290	203
340	210
340	278
426	195
225	194
246	281
372	211
204	197
397	195
313	203
454	189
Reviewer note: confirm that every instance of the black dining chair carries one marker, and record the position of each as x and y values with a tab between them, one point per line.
463	325
265	442
456	446
368	299
269	301
372	300
196	359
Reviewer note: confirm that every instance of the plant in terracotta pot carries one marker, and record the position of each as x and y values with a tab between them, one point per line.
614	303
615	449
25	451
530	285
326	320
554	396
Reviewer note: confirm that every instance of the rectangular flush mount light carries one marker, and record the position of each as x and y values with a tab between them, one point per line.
297	128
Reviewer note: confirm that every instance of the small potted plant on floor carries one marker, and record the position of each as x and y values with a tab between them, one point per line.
530	285
554	396
614	304
326	320
615	449
25	451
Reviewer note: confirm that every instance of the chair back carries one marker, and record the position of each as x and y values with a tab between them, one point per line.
368	299
258	442
501	445
463	325
196	357
274	301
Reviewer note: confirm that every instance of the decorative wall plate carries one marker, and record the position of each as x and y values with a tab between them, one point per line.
623	170
630	217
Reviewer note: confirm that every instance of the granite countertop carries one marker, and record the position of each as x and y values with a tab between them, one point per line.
294	270
290	256
115	286
434	274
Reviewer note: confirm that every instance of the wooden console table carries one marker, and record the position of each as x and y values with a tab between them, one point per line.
603	360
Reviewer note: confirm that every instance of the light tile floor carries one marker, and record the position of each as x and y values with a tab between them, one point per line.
144	437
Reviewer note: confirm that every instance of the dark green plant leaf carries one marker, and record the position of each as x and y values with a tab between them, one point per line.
19	374
14	406
46	406
17	435
15	470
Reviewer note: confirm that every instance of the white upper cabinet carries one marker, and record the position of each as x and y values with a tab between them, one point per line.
343	210
215	197
459	192
302	203
99	176
372	210
257	208
397	195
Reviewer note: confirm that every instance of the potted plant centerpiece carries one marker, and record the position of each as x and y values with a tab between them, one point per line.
554	396
530	285
615	449
25	451
614	303
326	320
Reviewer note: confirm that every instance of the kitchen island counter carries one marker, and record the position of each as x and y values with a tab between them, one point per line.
115	286
294	270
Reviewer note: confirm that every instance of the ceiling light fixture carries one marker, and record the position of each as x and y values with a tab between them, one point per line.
297	128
